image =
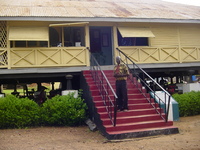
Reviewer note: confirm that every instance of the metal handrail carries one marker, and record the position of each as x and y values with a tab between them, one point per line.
135	78
105	88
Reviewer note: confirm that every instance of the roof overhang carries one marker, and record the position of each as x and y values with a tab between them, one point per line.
101	19
77	24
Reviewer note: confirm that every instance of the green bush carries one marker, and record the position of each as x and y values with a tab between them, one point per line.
189	103
63	111
59	111
18	113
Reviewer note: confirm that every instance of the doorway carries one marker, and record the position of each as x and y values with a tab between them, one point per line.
101	44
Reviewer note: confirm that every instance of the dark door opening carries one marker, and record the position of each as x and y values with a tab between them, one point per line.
101	44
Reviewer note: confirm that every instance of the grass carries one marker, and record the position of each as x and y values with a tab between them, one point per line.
22	91
9	91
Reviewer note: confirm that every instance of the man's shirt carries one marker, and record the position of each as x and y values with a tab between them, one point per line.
121	72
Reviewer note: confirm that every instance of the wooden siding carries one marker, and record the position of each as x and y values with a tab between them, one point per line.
164	36
176	35
190	36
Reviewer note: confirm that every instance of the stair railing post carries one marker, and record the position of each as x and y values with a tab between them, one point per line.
168	109
115	111
165	107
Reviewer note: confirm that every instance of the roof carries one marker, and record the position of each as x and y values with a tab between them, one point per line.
98	10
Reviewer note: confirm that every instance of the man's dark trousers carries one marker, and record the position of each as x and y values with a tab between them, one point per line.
121	90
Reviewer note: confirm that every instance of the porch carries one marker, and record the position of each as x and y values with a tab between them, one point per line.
79	56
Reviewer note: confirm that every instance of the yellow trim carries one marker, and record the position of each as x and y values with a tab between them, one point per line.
69	24
29	34
135	32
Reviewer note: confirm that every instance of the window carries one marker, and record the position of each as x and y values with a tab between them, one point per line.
29	44
132	41
28	36
67	34
74	36
128	36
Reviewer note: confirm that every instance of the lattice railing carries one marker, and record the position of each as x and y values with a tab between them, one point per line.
41	57
190	54
3	44
162	54
78	56
3	58
3	34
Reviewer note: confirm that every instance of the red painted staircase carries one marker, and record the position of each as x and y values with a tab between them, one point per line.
140	120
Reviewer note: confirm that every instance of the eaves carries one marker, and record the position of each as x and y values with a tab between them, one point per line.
101	19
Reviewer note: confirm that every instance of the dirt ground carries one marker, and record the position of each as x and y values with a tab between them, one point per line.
81	138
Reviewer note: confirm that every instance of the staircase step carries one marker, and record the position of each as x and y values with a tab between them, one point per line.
101	108
146	131
138	125
133	119
130	101
95	92
93	87
137	95
140	106
136	112
89	79
130	91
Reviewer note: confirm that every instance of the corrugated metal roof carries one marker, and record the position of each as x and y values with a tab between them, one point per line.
155	9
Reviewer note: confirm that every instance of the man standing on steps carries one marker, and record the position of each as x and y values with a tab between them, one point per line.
121	73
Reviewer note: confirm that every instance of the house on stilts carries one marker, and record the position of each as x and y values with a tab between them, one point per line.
77	41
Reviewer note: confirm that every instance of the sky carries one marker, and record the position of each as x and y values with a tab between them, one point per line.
188	2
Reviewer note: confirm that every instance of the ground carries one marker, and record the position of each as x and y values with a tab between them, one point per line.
74	138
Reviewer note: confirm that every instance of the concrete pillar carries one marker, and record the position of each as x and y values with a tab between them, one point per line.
69	82
52	83
191	72
1	88
39	85
177	79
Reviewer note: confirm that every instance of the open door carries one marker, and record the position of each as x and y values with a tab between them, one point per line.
101	44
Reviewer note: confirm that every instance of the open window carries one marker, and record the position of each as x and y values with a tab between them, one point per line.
28	36
129	36
67	34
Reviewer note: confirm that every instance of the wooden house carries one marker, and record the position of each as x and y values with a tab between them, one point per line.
51	33
43	41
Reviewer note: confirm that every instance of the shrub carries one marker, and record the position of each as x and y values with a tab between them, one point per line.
189	103
59	111
18	112
63	111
